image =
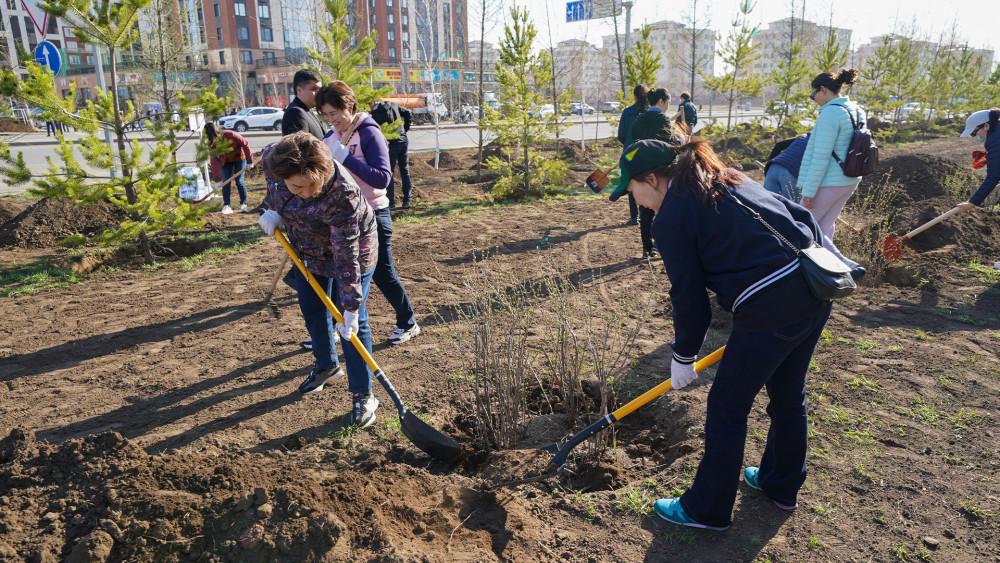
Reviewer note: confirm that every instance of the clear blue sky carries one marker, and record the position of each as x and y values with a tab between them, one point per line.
978	22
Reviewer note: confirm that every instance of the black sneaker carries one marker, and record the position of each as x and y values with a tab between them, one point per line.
651	253
319	377
406	205
858	273
307	344
392	206
631	222
363	409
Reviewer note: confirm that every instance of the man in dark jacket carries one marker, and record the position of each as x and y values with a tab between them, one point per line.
299	115
625	137
686	112
389	112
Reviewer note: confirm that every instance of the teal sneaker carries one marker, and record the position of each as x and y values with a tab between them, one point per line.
750	477
670	510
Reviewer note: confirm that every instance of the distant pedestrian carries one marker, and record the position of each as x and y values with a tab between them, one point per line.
686	113
983	126
390	112
224	166
625	123
50	128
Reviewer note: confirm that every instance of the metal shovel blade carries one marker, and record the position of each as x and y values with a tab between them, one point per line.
891	249
428	439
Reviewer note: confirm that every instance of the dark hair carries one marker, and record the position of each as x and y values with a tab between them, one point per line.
212	132
701	171
833	83
685	96
994	118
339	95
305	76
654	96
300	153
639	92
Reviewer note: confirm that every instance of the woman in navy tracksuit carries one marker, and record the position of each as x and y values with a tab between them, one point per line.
708	243
984	126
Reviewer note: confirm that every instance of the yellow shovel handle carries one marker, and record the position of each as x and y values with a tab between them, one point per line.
662	388
325	298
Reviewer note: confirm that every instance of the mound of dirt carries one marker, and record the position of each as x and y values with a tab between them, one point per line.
9	209
571	152
51	220
11	125
421	168
922	175
448	160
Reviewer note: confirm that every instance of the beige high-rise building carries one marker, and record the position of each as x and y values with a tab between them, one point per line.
580	65
773	44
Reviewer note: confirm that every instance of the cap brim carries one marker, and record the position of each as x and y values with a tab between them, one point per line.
622	187
970	128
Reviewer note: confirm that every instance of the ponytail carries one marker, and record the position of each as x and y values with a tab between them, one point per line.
833	83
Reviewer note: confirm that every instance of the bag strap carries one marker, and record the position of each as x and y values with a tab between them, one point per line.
755	215
855	125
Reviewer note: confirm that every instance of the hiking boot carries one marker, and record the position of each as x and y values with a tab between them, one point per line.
363	410
401	335
670	510
406	204
226	210
751	476
319	377
651	253
244	208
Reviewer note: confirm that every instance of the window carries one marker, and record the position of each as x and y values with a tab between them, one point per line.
222	57
247	57
241	9
392	35
266	34
218	34
72	46
406	36
243	33
204	59
269	57
390	19
388	3
392	52
406	52
74	60
264	11
406	19
90	59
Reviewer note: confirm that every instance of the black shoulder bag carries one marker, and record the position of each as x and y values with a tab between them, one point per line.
828	277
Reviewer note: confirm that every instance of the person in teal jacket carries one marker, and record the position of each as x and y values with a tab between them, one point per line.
824	187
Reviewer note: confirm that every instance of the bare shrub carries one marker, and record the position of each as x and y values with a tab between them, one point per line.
562	353
869	214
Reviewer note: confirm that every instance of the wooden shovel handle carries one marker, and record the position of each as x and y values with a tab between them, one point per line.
929	224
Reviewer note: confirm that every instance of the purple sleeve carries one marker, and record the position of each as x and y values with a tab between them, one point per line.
375	172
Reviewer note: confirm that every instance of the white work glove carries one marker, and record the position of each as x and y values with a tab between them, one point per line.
340	152
270	221
349	325
218	186
681	374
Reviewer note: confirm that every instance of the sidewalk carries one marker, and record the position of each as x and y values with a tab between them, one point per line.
38	138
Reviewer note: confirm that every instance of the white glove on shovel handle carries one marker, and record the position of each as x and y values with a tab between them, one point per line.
681	374
270	221
349	325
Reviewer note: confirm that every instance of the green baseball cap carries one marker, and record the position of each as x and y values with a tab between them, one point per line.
641	157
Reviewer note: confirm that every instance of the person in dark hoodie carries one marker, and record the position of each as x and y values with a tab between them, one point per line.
366	157
625	123
782	169
389	112
708	242
983	126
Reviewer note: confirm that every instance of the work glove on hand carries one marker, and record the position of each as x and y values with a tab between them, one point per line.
349	325
681	374
218	186
340	152
270	221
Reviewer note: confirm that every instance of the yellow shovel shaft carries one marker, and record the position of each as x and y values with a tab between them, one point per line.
325	298
662	388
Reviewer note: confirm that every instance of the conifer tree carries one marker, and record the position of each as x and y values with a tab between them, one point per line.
738	54
340	61
641	63
142	183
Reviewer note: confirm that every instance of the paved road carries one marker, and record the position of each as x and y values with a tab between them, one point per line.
36	147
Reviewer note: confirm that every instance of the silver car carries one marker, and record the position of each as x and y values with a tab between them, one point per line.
254	118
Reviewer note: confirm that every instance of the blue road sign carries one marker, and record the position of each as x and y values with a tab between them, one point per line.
578	10
46	54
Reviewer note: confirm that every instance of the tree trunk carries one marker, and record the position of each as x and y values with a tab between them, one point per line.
482	110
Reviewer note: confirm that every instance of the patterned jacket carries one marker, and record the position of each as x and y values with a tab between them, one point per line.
334	232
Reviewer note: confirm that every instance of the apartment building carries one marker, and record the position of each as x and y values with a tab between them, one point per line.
926	52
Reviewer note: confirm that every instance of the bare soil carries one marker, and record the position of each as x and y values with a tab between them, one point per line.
153	414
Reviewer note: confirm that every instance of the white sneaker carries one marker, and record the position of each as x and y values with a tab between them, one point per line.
363	410
226	210
401	335
243	209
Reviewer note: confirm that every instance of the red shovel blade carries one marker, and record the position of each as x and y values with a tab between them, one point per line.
598	180
891	249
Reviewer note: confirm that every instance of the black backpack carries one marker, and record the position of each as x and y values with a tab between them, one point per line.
862	153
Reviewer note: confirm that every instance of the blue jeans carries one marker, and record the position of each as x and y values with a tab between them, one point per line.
777	360
385	277
319	323
397	155
228	170
780	181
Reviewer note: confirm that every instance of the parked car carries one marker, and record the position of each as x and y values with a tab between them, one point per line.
775	107
915	111
580	108
609	107
253	118
543	111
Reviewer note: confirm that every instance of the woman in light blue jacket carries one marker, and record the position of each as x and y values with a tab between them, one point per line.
821	181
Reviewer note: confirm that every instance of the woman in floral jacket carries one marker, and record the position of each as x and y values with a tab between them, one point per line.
332	227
